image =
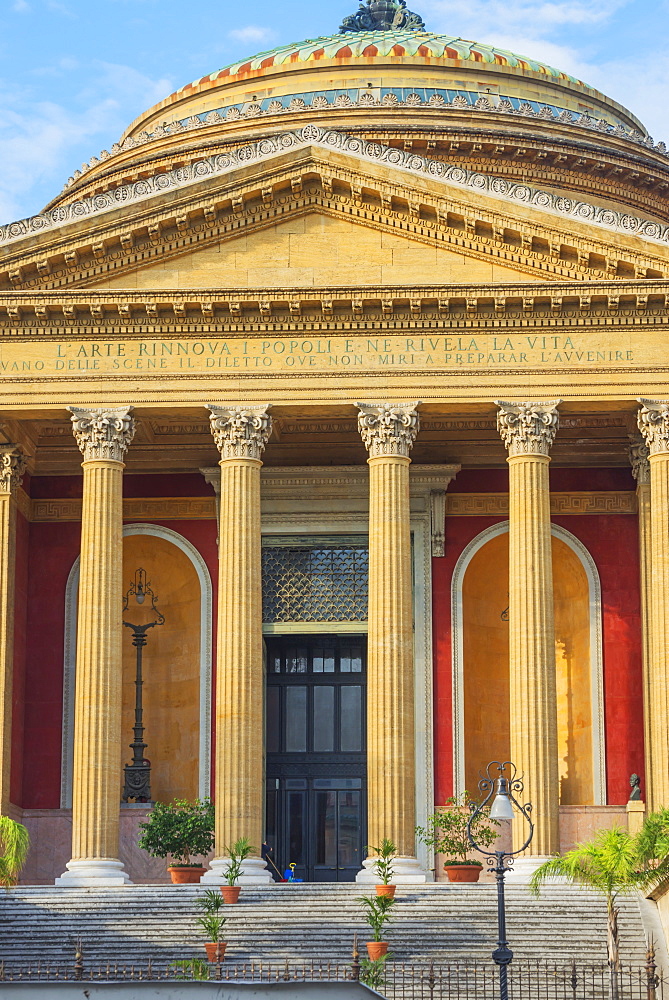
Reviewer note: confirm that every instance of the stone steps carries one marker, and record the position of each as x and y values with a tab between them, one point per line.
305	923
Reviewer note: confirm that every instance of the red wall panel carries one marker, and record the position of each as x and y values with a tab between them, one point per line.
19	681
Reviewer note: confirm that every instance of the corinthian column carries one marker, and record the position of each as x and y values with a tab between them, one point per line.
241	433
641	471
103	436
528	431
12	467
389	431
653	419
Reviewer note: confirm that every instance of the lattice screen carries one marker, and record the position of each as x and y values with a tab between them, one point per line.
322	583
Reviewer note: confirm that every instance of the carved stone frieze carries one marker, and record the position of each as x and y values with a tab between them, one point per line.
653	421
12	467
388	428
528	428
103	434
639	454
240	431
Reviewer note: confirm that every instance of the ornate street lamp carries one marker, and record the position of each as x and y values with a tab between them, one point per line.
501	781
137	784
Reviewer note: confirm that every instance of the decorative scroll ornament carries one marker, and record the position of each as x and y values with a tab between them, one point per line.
388	428
104	434
382	15
12	468
653	421
528	428
240	431
639	452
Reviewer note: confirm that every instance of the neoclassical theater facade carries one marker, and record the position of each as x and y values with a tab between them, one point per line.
358	350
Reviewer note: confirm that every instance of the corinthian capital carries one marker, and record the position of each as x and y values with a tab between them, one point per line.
528	428
240	431
653	421
12	467
638	452
103	434
388	428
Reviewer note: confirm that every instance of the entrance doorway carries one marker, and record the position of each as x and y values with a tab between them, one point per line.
316	757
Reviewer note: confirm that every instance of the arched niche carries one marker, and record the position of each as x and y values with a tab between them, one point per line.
177	666
481	663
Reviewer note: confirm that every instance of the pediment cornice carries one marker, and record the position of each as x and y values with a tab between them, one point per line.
533	231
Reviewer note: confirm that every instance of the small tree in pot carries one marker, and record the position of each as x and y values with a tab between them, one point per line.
377	914
383	866
446	832
238	852
179	830
211	923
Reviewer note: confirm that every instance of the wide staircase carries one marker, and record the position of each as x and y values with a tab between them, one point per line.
313	923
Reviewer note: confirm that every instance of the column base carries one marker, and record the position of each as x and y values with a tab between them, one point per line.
254	872
408	871
93	872
525	867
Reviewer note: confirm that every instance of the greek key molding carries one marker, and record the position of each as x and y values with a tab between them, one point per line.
528	428
240	431
653	421
388	428
500	188
12	468
586	502
103	434
639	454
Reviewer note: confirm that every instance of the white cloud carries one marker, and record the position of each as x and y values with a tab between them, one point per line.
21	6
533	19
252	33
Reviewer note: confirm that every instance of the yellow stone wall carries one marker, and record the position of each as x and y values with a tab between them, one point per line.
486	671
171	668
317	251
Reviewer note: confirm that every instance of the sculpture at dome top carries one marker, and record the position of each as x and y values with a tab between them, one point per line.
382	15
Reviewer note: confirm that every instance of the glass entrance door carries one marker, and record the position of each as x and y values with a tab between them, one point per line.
316	759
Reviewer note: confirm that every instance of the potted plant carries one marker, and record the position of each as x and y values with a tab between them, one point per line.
179	830
14	847
238	853
377	914
383	866
446	832
211	923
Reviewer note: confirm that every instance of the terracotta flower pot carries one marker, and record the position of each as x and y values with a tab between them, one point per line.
386	890
377	949
216	950
463	873
185	874
231	893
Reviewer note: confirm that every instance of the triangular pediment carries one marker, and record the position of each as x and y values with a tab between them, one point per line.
287	211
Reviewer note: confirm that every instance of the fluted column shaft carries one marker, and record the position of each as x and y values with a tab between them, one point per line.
528	430
641	471
12	466
653	420
241	435
103	437
389	431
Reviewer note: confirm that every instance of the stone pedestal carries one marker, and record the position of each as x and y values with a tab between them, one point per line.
636	813
241	434
653	418
528	430
12	467
389	431
103	437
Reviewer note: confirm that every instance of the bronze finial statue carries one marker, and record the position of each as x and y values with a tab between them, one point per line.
635	784
382	15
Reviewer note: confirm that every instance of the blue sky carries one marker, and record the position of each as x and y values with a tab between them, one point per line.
74	73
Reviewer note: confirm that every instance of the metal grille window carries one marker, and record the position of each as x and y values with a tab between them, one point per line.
315	583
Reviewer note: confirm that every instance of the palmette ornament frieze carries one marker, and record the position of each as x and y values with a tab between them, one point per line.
639	454
103	434
388	428
653	422
240	431
528	428
12	468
